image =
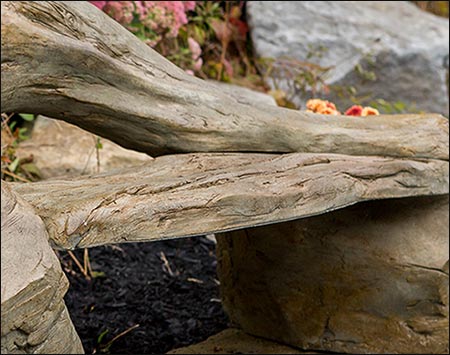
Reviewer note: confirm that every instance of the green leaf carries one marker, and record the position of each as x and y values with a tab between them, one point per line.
22	133
399	106
32	169
13	166
99	144
101	336
27	116
96	274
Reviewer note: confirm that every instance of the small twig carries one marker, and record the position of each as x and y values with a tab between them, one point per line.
166	263
97	152
15	175
87	262
87	161
74	258
193	279
109	343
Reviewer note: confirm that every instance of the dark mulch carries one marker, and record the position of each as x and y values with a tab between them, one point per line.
137	288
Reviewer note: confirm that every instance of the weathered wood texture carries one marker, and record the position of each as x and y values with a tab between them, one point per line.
34	317
194	194
70	61
368	279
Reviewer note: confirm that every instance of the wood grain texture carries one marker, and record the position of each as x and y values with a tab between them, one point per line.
195	194
70	61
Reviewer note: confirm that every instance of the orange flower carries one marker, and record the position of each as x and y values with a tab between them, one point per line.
321	106
328	111
314	104
369	111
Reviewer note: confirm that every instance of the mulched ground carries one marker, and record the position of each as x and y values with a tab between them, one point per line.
168	288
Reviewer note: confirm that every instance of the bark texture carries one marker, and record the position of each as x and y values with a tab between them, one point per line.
68	60
371	278
34	316
196	194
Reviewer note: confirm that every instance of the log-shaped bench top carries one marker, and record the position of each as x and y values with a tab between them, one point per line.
195	194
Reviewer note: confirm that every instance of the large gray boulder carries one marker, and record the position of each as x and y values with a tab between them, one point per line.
409	47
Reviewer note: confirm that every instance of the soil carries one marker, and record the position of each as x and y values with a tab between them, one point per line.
159	296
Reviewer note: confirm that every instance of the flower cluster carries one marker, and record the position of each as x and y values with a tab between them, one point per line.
325	107
358	110
149	20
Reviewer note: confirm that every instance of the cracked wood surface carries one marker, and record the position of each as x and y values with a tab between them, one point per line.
70	61
195	194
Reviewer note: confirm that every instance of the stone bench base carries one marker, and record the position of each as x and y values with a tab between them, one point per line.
34	317
371	278
235	341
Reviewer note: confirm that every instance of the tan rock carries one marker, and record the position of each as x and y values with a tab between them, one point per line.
61	149
235	341
34	318
371	278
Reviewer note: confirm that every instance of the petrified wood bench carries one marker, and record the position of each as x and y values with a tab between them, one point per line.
315	273
304	282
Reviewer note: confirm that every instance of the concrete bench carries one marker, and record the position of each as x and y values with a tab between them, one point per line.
332	230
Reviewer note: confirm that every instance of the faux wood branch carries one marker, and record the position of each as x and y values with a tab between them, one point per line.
195	194
70	61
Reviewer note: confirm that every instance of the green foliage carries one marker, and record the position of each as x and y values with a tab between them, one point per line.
27	116
297	76
395	107
13	168
439	8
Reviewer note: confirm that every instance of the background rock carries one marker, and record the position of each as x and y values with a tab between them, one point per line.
34	317
61	149
409	47
371	278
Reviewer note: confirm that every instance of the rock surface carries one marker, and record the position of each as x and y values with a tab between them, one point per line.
34	318
409	47
371	278
235	341
60	149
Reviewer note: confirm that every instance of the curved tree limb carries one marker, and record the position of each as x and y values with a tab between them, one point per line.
196	194
70	61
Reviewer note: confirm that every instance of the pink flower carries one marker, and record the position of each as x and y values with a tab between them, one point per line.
194	47
198	64
355	110
121	11
99	4
189	5
159	18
